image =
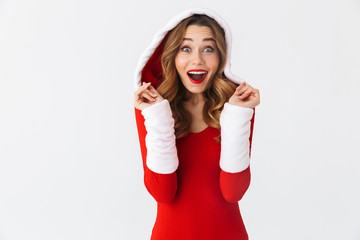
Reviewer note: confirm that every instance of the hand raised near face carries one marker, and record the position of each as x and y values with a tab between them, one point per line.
145	96
245	96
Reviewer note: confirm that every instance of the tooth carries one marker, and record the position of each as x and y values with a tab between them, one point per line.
197	72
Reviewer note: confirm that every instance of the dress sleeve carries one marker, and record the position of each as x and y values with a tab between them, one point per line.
236	134
158	150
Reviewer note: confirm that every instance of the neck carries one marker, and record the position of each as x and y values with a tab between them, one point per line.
196	98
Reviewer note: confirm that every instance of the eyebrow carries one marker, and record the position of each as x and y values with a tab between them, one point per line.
205	39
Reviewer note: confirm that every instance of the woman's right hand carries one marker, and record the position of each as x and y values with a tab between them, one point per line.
145	96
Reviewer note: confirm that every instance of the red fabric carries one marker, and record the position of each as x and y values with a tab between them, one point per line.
198	200
152	71
161	186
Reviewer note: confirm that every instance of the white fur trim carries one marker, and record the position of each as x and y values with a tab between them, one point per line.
159	36
160	138
235	133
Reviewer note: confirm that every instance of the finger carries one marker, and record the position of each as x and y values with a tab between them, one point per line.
146	85
250	90
256	93
245	95
241	86
147	96
151	87
153	91
244	89
148	91
142	88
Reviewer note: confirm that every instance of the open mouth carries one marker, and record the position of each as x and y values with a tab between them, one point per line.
197	76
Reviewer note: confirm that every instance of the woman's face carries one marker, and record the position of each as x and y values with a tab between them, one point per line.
198	58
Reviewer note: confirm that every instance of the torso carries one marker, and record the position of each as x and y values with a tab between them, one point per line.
198	210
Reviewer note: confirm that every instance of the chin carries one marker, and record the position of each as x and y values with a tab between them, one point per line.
196	91
196	88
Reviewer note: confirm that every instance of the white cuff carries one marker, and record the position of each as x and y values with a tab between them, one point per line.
235	133
160	138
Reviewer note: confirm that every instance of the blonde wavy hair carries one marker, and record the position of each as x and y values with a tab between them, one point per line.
171	88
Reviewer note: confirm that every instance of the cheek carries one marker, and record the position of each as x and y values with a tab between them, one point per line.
216	62
180	62
213	63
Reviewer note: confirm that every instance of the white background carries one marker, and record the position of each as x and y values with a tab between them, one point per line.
70	165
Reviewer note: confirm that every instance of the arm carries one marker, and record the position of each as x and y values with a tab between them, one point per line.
236	135
234	185
157	143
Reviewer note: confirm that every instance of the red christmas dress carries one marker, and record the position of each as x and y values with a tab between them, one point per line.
195	181
199	200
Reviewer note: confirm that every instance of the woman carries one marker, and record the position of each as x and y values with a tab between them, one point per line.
195	123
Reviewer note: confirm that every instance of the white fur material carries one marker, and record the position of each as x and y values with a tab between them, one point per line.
170	25
160	138
235	133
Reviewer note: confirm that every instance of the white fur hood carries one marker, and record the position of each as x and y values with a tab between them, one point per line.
149	68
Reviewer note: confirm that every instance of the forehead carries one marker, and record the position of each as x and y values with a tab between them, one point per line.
195	31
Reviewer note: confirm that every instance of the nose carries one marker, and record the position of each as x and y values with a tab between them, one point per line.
197	58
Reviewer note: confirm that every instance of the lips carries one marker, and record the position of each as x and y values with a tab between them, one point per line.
197	75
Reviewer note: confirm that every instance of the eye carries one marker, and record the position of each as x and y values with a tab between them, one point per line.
208	49
185	49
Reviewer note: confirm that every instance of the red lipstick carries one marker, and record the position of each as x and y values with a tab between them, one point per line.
197	76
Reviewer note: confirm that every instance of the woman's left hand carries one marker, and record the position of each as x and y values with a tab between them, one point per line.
245	96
